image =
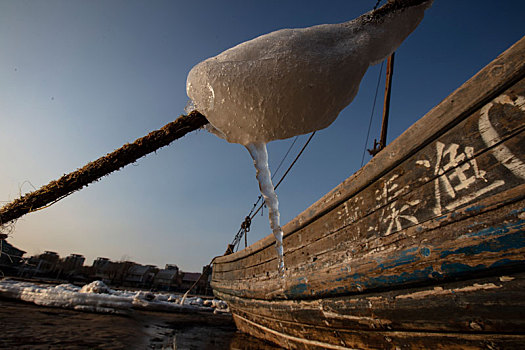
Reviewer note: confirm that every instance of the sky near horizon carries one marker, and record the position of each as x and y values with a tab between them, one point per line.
79	79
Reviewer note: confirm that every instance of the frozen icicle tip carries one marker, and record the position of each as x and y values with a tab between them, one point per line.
259	155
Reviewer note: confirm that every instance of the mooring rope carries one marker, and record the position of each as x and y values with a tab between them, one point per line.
56	190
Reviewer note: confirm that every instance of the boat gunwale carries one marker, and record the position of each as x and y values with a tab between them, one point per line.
504	71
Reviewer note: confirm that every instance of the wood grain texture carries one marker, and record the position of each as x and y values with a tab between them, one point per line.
422	248
434	308
390	228
487	84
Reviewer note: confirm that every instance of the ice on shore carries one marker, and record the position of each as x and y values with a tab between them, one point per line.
97	297
294	81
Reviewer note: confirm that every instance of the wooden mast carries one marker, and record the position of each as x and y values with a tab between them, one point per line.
386	104
386	107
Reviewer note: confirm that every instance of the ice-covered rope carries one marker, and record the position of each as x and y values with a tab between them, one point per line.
93	171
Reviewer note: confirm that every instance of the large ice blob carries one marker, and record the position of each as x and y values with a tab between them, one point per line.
294	81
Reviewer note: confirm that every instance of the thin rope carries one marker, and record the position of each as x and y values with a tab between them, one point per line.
286	155
372	113
377	4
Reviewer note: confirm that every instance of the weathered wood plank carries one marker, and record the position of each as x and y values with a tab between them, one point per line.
425	245
336	230
489	305
477	245
508	68
464	141
298	336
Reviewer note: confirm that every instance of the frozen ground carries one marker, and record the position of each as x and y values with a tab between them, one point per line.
97	297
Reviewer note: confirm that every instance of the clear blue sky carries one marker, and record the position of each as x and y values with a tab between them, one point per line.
80	78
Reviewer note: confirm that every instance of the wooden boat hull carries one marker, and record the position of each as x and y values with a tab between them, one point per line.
422	247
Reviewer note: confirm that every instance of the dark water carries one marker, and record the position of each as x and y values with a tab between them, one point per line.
214	338
198	332
29	326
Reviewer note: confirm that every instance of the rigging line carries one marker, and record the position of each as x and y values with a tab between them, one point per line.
287	170
286	155
372	113
255	204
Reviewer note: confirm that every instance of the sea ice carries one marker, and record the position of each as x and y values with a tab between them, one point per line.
97	297
294	81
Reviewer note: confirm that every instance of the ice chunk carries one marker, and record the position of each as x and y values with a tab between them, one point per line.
294	81
97	297
98	287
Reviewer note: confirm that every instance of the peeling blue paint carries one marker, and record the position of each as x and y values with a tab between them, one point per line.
297	289
441	218
384	281
436	275
512	241
507	262
503	239
493	231
475	208
401	258
458	268
403	278
474	224
346	269
424	251
517	211
453	269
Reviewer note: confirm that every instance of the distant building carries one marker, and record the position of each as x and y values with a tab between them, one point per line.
140	276
168	278
204	285
98	270
47	262
117	271
101	262
171	267
10	258
189	279
109	272
73	262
